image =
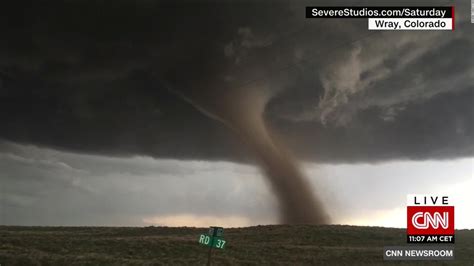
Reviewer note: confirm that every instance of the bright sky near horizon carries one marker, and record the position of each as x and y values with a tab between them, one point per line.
48	187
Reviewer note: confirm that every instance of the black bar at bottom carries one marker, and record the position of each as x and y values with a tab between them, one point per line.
429	239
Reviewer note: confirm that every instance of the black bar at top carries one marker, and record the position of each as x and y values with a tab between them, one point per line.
378	9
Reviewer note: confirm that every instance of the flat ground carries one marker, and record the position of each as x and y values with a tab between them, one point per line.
270	245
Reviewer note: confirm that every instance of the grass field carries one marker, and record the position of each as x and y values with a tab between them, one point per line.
269	245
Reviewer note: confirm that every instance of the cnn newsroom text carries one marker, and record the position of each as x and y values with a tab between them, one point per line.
392	18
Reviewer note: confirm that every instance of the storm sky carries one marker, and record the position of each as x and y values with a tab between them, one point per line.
95	127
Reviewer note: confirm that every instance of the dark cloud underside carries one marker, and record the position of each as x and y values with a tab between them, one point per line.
97	77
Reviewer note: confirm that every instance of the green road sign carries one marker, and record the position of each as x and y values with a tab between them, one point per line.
205	240
212	240
218	243
216	231
215	242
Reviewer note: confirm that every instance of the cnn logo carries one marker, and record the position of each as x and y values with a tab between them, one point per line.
430	220
423	220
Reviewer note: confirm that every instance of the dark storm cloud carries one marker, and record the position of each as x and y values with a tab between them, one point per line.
99	77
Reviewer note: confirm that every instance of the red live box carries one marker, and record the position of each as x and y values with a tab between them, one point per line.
430	220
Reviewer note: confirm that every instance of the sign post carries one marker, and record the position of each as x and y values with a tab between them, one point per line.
213	239
209	254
